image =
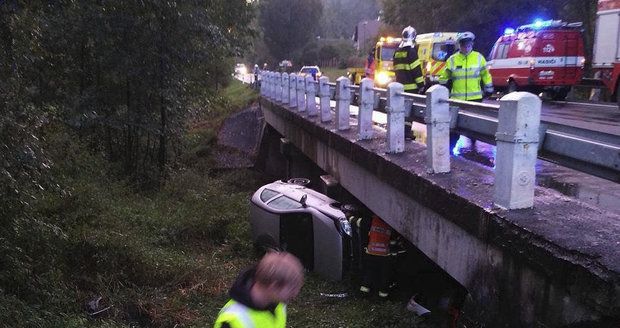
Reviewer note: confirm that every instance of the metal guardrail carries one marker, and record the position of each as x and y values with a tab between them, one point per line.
514	126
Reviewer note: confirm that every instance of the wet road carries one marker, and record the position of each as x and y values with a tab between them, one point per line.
602	117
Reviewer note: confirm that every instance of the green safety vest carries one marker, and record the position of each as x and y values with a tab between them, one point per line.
241	316
466	72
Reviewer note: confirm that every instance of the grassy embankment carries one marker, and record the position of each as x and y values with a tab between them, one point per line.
158	259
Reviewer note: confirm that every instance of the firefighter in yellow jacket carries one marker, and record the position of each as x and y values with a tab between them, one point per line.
408	70
467	69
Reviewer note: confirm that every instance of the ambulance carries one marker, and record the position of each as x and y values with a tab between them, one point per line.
433	50
542	56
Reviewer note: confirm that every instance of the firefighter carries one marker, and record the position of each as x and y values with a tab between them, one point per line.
377	261
408	71
467	70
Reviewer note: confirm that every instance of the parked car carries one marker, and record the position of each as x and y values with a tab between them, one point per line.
310	70
240	69
288	215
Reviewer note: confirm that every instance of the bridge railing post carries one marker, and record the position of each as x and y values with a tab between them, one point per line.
311	96
367	99
395	108
285	89
517	148
292	100
268	81
278	86
301	93
261	78
343	103
272	86
437	119
324	94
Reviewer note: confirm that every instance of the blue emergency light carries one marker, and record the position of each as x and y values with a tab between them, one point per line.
509	31
539	23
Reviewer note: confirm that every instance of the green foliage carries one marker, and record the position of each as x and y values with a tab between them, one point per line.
340	16
288	25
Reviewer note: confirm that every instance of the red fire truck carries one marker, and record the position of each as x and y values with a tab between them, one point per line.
542	56
606	54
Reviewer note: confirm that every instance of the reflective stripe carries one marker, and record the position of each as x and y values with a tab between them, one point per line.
419	79
400	54
410	86
475	75
468	94
383	294
240	311
400	67
364	289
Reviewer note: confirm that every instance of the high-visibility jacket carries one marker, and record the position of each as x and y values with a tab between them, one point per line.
466	73
408	68
379	238
238	315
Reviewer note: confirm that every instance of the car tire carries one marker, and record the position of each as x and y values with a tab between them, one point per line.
561	94
264	244
299	181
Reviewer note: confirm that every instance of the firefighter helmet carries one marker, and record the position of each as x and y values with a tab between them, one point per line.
465	36
409	34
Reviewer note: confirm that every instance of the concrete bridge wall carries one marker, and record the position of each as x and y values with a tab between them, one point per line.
515	278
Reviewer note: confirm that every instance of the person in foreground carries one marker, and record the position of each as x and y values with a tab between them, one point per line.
260	294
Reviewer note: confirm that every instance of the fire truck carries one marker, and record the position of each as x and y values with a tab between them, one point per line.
542	56
433	50
606	54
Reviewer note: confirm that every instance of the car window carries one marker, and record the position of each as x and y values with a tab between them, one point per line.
442	51
284	203
267	194
387	53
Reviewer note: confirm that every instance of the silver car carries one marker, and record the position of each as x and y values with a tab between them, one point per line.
289	216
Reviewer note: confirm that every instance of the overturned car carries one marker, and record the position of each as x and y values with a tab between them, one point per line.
289	216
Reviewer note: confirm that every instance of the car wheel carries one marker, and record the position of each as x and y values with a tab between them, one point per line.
512	86
561	94
264	244
299	181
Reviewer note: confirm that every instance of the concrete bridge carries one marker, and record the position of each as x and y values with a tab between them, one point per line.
529	255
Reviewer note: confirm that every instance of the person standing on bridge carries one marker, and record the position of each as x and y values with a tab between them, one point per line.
408	70
467	70
259	295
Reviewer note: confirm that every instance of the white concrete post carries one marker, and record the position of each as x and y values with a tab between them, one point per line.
301	94
395	109
326	110
263	87
278	86
268	81
272	86
367	101
517	149
292	100
311	96
343	103
285	89
437	119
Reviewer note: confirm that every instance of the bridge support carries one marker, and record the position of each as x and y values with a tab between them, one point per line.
437	119
343	103
311	96
367	99
326	112
517	148
395	118
292	87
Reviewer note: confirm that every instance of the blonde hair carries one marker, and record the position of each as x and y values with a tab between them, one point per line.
279	268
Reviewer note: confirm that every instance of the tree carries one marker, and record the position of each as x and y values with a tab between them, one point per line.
288	25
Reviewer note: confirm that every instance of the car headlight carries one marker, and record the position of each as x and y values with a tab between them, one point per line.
382	78
345	227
